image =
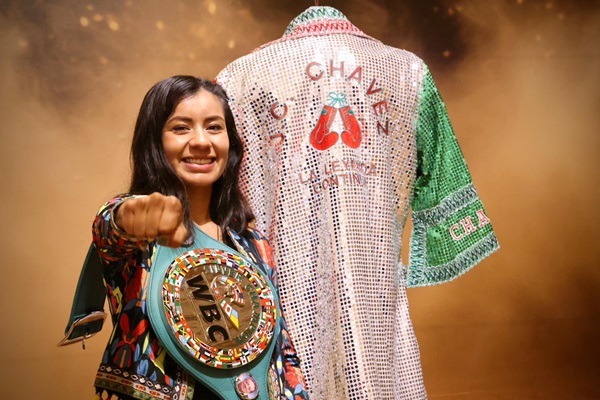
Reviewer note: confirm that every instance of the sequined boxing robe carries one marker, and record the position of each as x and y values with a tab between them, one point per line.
343	136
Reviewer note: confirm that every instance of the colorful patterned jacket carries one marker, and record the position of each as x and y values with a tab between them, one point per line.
134	362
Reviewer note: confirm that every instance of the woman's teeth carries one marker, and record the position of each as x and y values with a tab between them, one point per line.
199	161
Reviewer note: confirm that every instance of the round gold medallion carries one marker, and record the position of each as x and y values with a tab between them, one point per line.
221	309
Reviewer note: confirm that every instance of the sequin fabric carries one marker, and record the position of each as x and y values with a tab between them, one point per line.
343	135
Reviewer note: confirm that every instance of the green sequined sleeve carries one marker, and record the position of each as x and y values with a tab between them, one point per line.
451	230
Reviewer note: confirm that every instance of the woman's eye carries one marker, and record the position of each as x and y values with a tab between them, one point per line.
215	128
180	128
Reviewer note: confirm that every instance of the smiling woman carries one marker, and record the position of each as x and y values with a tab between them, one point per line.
195	141
196	146
209	293
175	108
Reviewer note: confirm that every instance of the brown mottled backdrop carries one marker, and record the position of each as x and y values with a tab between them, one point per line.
521	79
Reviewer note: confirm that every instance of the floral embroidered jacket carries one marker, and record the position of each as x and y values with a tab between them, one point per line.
135	363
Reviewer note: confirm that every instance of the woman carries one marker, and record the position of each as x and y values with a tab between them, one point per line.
186	156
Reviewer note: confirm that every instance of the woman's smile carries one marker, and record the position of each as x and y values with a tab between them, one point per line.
200	161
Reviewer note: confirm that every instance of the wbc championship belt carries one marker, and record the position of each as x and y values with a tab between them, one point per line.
216	314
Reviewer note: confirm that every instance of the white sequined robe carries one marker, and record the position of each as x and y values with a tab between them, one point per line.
331	118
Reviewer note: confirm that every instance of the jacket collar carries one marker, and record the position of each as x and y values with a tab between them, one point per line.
320	21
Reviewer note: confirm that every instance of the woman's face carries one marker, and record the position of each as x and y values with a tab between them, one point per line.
195	140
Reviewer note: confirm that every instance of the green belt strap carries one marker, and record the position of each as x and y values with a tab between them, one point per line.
87	312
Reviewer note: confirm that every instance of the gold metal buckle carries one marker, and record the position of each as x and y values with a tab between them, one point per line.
93	316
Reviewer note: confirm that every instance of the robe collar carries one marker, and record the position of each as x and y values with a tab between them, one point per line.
320	20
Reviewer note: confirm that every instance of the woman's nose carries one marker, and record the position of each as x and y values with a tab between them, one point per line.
199	138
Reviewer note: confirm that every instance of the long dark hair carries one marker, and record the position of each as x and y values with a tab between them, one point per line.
151	172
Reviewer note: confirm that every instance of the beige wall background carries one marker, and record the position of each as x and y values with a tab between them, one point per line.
521	80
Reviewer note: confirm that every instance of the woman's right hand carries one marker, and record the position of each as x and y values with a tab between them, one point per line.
155	216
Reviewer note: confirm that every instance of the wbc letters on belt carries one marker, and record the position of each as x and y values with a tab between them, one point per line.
219	308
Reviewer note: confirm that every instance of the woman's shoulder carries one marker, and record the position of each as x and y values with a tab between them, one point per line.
255	234
253	241
250	236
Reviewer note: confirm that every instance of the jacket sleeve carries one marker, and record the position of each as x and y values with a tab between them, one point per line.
113	247
121	256
451	230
